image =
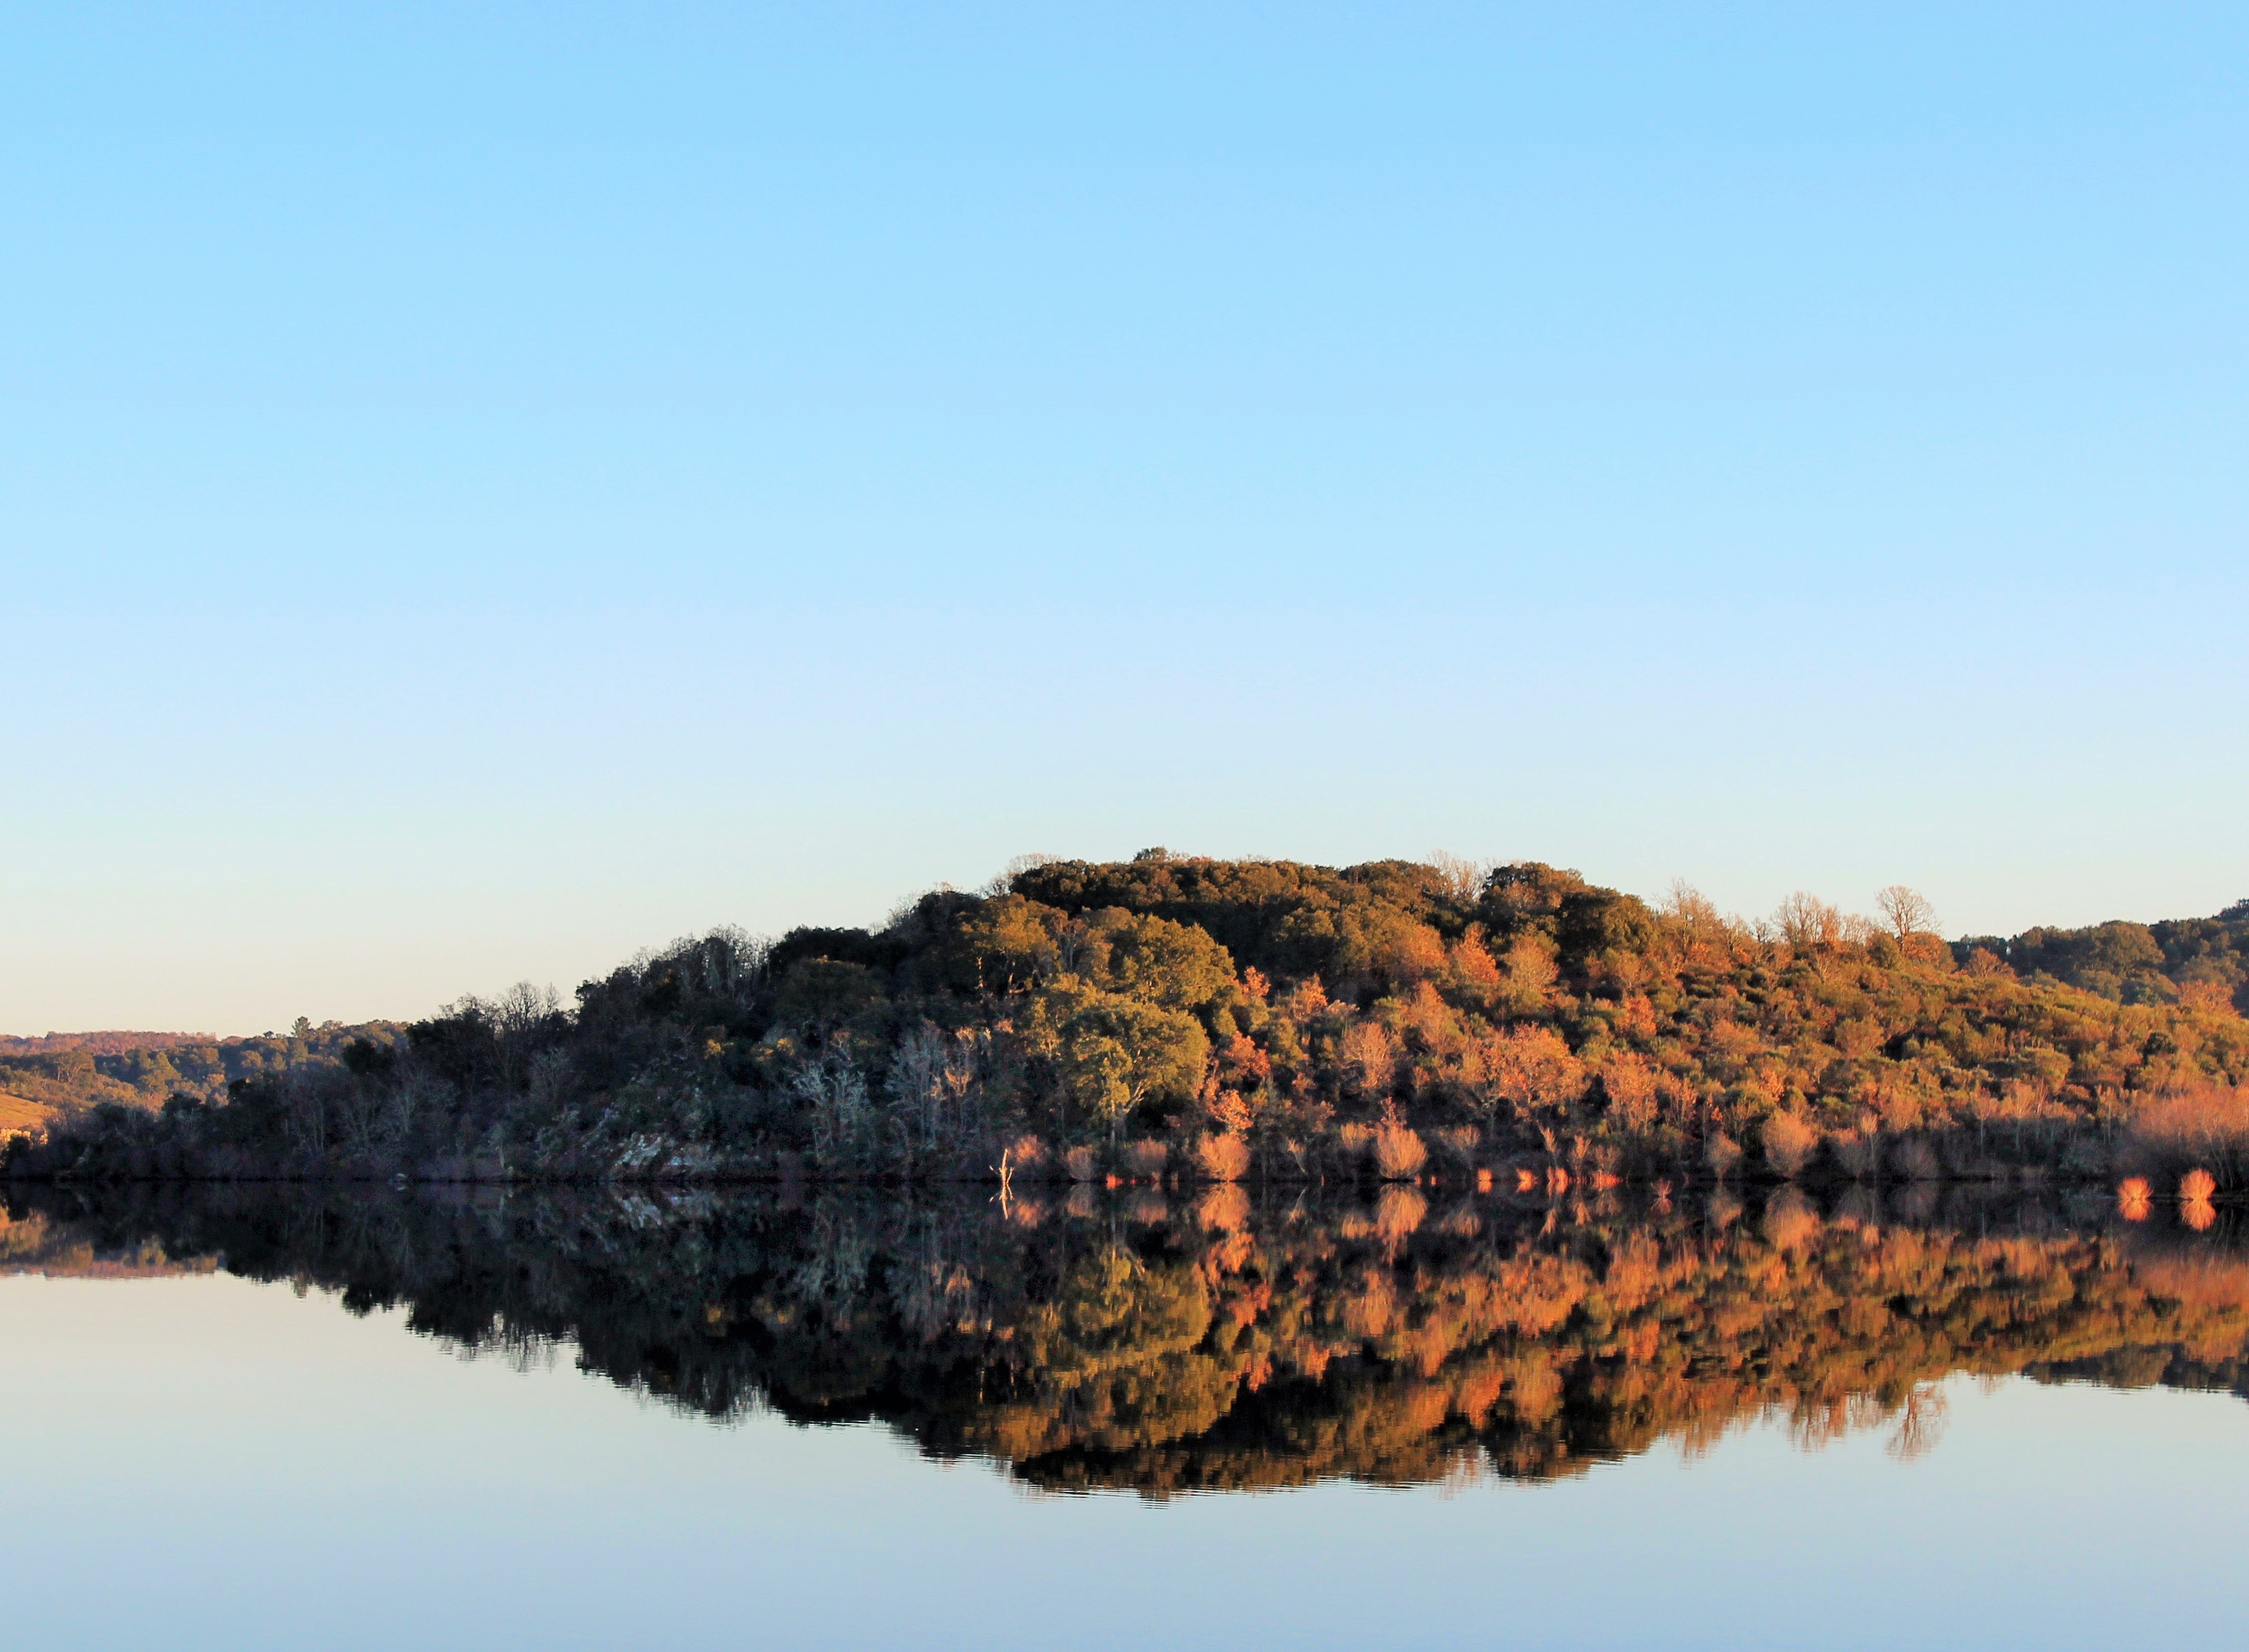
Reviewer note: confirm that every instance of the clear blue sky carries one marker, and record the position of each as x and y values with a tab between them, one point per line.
483	488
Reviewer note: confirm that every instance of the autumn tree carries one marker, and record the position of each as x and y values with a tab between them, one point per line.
1525	1074
1808	924
1528	975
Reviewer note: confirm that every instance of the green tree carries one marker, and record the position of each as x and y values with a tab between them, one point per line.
1176	966
1116	1053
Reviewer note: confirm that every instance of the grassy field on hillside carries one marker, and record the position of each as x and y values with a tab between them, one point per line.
16	1113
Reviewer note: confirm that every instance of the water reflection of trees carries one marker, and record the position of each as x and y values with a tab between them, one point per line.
1212	1343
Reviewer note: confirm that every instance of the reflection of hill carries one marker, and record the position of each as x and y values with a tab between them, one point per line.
33	1244
1212	1346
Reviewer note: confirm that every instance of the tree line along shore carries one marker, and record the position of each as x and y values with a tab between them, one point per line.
1172	1019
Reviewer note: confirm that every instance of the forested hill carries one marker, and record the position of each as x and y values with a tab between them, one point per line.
2135	963
1217	1018
98	1043
68	1072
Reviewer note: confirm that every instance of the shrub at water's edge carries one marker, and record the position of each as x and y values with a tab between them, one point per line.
1173	1020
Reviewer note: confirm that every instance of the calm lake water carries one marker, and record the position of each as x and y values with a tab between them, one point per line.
241	1419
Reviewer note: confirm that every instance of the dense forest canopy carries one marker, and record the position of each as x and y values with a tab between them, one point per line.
1175	1016
2137	963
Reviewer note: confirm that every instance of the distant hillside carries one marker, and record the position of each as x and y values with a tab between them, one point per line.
103	1043
1220	1018
2135	963
67	1072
